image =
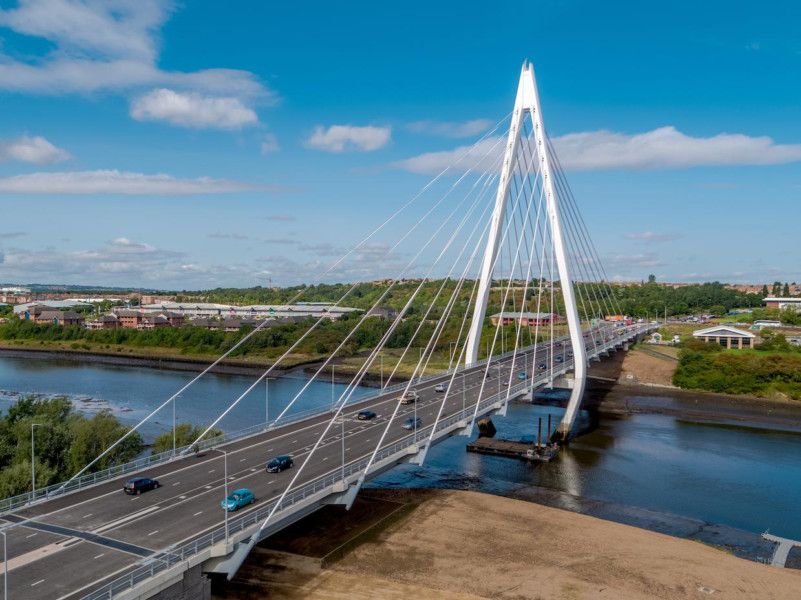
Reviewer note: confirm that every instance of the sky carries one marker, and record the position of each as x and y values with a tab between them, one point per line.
158	144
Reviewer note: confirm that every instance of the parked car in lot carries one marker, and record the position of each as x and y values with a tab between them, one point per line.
440	388
522	375
237	499
409	397
412	423
137	485
279	463
366	415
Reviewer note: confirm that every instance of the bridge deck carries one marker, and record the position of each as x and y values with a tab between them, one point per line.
79	542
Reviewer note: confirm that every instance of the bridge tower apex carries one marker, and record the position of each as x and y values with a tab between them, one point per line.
527	103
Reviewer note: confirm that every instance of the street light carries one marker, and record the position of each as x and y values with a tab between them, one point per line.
225	488
342	422
5	566
33	461
267	401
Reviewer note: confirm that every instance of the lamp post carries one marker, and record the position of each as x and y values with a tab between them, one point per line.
342	422
267	401
33	461
5	566
225	491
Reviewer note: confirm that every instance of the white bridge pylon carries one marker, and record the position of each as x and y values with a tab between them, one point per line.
527	105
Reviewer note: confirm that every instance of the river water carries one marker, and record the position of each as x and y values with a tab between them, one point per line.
722	484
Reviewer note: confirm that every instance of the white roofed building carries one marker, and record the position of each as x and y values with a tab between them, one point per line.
728	337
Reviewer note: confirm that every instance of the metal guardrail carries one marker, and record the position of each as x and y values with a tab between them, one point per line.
166	559
139	464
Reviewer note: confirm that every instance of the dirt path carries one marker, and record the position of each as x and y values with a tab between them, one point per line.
460	545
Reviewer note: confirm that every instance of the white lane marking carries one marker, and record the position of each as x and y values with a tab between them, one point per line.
200	512
176	483
153	533
242	459
135	498
37	583
30	536
294	442
211	471
208	487
99	555
253	470
325	458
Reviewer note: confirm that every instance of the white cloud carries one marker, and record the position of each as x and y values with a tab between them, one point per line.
116	182
666	147
35	150
662	148
101	46
339	138
189	109
483	156
269	144
650	236
453	129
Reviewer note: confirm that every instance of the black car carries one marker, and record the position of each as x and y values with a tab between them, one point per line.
137	485
366	415
279	463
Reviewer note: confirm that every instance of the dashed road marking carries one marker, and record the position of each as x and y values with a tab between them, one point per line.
37	583
153	533
211	471
87	516
30	536
198	513
176	483
99	555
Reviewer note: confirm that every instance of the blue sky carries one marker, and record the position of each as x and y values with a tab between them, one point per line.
158	144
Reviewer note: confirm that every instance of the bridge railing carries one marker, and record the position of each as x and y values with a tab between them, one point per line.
139	464
170	557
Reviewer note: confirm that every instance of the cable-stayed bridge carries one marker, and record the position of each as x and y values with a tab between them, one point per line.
504	232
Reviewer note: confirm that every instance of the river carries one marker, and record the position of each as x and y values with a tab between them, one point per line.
722	484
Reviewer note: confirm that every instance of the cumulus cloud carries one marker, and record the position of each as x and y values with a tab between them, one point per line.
650	236
339	138
116	182
35	150
189	109
453	129
100	46
662	148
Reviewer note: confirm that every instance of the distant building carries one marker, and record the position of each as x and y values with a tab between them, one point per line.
783	303
21	309
729	337
193	310
57	317
104	322
760	324
526	319
383	312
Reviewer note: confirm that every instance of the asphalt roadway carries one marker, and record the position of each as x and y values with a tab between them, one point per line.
70	545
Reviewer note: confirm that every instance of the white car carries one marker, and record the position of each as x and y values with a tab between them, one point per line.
409	397
440	387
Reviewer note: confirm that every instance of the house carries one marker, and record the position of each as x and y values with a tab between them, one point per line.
526	319
783	303
728	337
233	324
57	317
104	322
656	338
130	319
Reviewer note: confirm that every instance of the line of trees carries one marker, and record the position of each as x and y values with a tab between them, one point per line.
65	442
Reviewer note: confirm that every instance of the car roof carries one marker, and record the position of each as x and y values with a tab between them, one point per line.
135	479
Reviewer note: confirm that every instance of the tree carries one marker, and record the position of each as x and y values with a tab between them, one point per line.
777	288
786	290
185	434
652	278
765	291
717	310
93	436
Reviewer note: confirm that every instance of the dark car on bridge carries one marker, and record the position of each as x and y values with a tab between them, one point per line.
522	375
137	485
279	463
366	415
541	366
412	423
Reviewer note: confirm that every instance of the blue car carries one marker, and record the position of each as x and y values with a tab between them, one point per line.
237	499
522	375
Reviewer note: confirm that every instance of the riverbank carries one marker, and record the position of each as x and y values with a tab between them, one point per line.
464	545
